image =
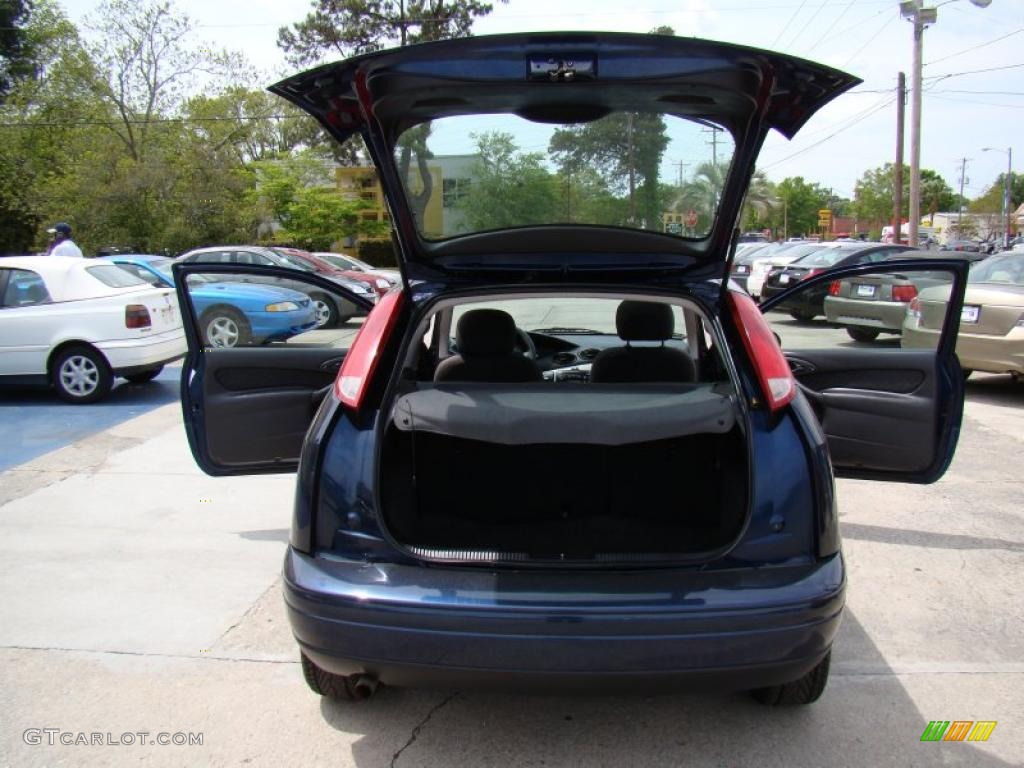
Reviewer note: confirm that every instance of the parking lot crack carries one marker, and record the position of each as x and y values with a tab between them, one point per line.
419	727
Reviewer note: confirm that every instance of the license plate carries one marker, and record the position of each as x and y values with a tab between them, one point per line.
865	290
969	314
783	279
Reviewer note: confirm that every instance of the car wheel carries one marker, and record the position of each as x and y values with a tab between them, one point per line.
806	690
81	375
224	327
327	315
143	376
803	316
323	683
862	334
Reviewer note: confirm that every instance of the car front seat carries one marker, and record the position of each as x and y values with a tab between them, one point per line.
643	321
486	340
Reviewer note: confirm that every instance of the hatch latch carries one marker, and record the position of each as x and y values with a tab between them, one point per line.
560	69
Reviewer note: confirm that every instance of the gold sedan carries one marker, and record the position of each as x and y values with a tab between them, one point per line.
992	322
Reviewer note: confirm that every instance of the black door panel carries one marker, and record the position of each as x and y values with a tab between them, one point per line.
889	412
259	406
247	408
877	407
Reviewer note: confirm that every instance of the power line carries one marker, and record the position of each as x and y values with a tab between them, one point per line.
785	27
972	72
976	47
831	26
871	39
973	101
113	123
808	23
832	135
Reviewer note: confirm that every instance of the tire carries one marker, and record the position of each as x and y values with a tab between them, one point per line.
143	376
803	316
224	327
862	334
326	684
806	690
81	375
327	315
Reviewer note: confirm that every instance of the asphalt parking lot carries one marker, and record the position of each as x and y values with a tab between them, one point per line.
139	595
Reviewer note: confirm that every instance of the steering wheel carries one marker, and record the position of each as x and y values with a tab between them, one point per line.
525	345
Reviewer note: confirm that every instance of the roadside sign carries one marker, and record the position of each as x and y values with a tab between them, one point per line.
824	213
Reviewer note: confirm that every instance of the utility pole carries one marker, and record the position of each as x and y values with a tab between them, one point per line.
897	208
714	129
1007	192
915	12
960	202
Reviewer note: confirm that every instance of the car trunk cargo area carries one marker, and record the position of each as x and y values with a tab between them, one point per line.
564	473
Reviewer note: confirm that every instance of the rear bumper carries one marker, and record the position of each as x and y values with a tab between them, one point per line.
880	315
412	625
977	352
145	352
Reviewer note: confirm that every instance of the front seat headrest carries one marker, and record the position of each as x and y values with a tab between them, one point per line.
485	333
644	321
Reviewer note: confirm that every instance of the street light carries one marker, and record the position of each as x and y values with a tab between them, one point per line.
1007	187
915	12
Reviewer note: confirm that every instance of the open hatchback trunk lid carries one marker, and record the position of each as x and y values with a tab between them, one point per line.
563	152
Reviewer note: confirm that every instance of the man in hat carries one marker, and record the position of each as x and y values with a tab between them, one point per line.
62	244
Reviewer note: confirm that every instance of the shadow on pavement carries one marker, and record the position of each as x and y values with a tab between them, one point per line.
927	539
866	717
995	389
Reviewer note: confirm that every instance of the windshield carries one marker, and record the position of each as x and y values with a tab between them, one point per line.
823	256
114	276
472	173
1006	270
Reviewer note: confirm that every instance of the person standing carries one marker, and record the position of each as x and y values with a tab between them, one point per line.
62	244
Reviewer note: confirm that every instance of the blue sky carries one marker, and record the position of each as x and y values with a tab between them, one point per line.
962	113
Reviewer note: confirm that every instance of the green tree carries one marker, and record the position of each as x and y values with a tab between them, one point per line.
759	203
296	194
341	28
874	194
510	188
626	149
799	203
17	57
991	201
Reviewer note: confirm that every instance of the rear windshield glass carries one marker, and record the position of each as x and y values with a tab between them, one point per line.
114	276
824	257
473	173
1007	269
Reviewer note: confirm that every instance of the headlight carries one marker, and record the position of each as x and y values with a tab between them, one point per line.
282	306
382	283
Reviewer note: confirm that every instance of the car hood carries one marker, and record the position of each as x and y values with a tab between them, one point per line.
255	291
566	78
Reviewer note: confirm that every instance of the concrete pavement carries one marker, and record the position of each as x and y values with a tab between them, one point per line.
137	594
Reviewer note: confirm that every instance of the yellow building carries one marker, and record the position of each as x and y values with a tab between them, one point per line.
362	183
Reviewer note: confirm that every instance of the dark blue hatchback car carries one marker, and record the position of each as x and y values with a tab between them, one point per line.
564	452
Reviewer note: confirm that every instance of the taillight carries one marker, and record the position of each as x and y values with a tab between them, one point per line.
904	293
773	373
137	316
914	310
833	288
361	361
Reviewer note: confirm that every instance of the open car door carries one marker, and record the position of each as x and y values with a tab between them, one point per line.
877	363
261	358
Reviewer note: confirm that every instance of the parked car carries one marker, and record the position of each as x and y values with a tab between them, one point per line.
773	259
873	304
743	261
809	304
330	312
569	454
232	314
76	324
306	260
991	337
970	246
344	261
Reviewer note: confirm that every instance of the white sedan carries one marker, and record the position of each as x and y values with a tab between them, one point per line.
75	324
